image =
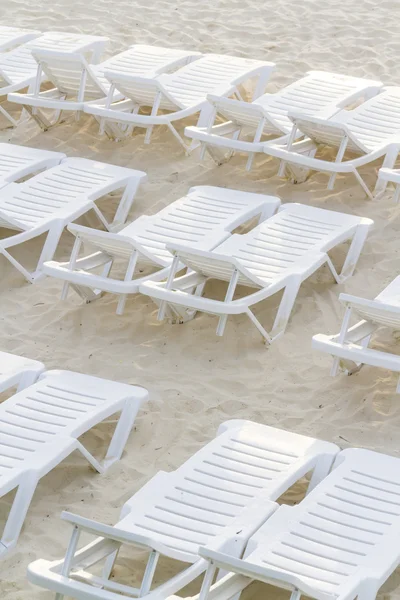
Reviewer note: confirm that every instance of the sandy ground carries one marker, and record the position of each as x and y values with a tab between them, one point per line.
197	380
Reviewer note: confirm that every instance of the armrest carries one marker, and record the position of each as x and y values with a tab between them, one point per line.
112	533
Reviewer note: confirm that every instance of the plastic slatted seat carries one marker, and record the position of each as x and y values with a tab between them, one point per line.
371	130
223	491
77	81
18	67
40	426
19	161
17	370
338	543
49	201
201	219
277	255
350	347
183	93
10	37
318	93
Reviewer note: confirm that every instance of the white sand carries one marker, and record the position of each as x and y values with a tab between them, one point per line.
196	379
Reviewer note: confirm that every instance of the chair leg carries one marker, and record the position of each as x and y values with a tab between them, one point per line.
388	163
121	433
49	248
17	514
69	555
285	308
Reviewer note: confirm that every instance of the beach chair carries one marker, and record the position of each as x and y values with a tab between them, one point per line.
76	81
17	162
18	67
389	175
350	347
371	131
11	37
18	371
41	424
318	93
202	219
339	543
224	491
278	255
47	202
180	94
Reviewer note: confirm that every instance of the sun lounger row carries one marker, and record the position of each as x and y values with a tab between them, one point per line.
295	123
66	189
140	76
194	233
291	124
219	512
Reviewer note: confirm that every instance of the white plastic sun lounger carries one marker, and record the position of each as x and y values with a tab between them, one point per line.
350	347
277	255
18	67
339	543
371	131
181	94
318	93
392	175
49	201
223	492
11	37
41	424
76	81
19	161
202	219
18	371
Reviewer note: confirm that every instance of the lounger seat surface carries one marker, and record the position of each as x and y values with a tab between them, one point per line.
201	219
351	344
339	542
40	426
66	188
18	161
371	131
17	370
317	93
227	486
279	254
77	81
49	201
18	67
182	93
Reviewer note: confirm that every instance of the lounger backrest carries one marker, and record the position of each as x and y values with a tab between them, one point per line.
376	311
70	73
212	74
143	90
189	86
370	125
278	247
142	59
59	406
13	368
19	65
11	37
221	481
200	220
316	92
61	189
350	521
19	161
